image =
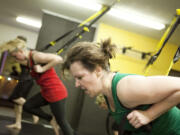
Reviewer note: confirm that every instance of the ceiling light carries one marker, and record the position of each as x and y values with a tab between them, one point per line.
121	13
28	21
136	18
84	4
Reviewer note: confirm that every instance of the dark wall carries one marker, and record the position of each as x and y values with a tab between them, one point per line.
82	112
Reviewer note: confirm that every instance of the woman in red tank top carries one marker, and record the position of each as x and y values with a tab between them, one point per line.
53	92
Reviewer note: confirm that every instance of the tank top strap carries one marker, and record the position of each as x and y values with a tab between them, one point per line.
121	111
118	106
31	61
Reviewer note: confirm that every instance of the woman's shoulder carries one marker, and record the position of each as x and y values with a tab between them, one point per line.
128	76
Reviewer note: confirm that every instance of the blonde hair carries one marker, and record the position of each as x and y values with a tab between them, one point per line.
100	99
12	45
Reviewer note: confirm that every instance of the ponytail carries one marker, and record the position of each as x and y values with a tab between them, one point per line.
108	48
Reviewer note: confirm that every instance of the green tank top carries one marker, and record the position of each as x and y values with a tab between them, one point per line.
166	124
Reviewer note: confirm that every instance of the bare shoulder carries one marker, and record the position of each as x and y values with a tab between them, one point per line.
130	83
38	54
45	57
127	89
137	90
138	83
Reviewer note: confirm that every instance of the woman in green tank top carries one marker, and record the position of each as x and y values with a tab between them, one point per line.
155	96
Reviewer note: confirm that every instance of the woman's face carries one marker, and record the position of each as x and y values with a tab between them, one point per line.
19	55
86	80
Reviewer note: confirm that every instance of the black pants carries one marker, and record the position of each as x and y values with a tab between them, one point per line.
22	89
58	109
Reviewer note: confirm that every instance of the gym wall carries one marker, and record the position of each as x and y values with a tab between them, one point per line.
126	64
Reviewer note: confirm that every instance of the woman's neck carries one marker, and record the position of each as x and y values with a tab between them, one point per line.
107	83
26	59
26	53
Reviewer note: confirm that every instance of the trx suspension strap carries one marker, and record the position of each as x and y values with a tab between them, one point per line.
121	131
174	60
3	60
177	55
164	39
79	35
52	43
85	29
82	26
108	123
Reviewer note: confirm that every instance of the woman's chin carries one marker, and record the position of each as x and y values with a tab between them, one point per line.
92	95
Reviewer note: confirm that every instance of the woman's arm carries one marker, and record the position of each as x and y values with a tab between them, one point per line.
163	106
139	118
45	61
162	92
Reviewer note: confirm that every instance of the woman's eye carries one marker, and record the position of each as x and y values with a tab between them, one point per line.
79	78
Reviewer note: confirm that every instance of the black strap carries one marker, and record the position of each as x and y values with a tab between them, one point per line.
177	55
108	123
70	41
121	131
58	39
154	57
82	31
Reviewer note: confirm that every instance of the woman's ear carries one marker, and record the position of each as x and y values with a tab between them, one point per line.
98	71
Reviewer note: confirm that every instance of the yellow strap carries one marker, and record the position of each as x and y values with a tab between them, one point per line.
60	51
52	43
80	36
104	8
86	29
177	11
172	62
159	45
170	66
165	34
147	70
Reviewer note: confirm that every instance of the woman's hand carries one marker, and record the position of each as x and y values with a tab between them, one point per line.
38	68
138	118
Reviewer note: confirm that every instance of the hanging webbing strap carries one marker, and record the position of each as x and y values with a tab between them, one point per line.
3	60
174	60
85	29
52	43
177	55
95	16
107	123
121	131
175	22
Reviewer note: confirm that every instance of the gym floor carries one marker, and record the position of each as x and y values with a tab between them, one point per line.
7	117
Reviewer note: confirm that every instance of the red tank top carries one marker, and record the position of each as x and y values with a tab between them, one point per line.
52	88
